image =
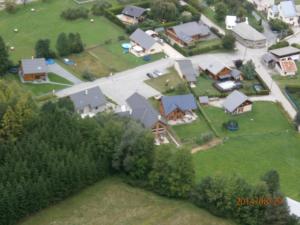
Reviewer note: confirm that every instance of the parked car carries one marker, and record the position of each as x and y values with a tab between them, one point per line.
150	75
157	73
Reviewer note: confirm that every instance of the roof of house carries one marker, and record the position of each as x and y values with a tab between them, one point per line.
187	69
234	100
288	8
274	9
212	65
186	31
268	57
92	97
182	102
142	39
33	66
230	21
142	111
133	11
288	66
285	51
204	99
247	32
236	74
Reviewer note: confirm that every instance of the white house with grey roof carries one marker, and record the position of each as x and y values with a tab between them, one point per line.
89	102
186	71
143	44
188	33
33	69
285	11
285	53
237	103
248	36
132	15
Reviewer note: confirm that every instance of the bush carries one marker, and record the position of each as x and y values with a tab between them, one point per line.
75	13
296	45
97	8
204	138
10	6
87	75
279	44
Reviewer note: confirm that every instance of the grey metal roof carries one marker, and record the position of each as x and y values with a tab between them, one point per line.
212	65
268	57
33	66
247	32
204	99
285	51
234	100
142	111
186	31
288	8
235	73
133	11
187	69
182	102
92	97
142	39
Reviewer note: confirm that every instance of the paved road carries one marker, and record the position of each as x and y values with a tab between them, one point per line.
59	70
121	85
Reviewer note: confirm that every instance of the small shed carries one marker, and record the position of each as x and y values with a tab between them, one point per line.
204	100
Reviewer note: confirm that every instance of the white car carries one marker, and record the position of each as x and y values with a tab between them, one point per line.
157	73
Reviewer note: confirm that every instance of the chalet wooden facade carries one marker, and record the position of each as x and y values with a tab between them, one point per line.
219	75
33	69
243	108
159	129
237	103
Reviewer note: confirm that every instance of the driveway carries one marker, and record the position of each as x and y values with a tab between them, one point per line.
59	70
120	86
171	52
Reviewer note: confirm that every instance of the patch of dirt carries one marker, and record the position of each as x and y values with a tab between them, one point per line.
207	146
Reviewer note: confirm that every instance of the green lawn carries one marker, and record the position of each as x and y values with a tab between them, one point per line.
115	203
266	140
46	23
189	133
166	82
58	79
35	89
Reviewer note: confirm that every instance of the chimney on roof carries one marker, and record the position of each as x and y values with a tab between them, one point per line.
159	117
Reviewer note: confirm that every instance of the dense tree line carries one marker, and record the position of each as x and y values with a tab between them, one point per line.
69	44
5	63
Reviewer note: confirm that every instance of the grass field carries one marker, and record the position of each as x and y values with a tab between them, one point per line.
266	140
189	133
58	79
36	89
166	82
115	203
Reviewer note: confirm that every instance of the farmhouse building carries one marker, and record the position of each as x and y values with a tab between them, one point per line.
89	102
215	69
143	112
143	44
185	69
188	33
248	36
177	107
33	69
132	15
237	103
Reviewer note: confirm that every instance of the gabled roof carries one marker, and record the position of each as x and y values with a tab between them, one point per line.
187	69
142	111
247	32
92	97
285	51
288	66
182	102
288	8
212	65
235	73
186	31
234	100
133	11
268	57
142	39
34	66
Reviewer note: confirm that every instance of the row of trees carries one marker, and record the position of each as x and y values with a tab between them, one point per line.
232	197
5	63
65	45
